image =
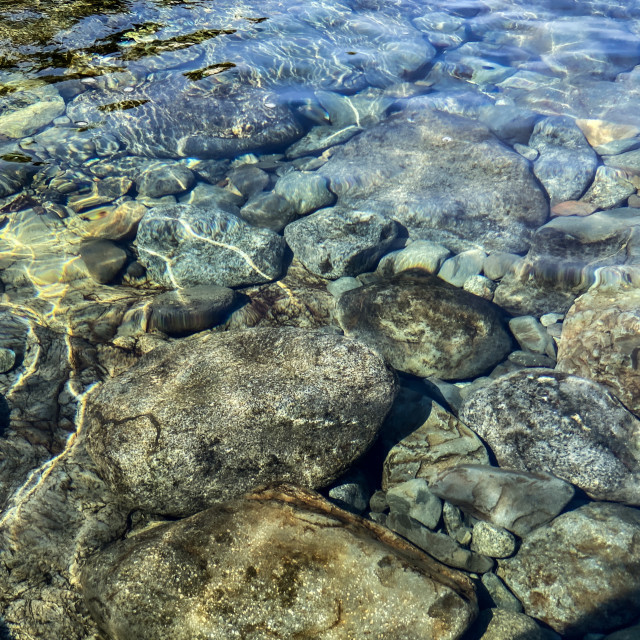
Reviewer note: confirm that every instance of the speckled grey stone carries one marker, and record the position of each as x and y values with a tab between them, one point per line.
546	420
305	192
610	188
567	163
492	541
351	492
531	335
424	326
515	500
165	178
284	560
500	596
414	499
7	359
248	180
181	246
333	243
238	409
210	196
268	210
480	286
498	264
578	573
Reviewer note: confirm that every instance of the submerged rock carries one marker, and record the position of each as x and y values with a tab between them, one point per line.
425	326
546	420
184	246
578	573
516	500
285	560
444	177
601	340
237	409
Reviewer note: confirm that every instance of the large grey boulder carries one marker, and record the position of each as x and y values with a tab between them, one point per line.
545	420
424	326
567	163
282	560
601	340
444	177
578	574
332	243
208	418
185	246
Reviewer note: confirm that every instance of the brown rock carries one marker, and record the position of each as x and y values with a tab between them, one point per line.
572	208
599	132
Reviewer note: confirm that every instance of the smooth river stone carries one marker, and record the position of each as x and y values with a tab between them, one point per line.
333	243
444	177
283	560
567	164
22	113
601	341
424	326
609	189
181	118
438	444
579	573
420	254
164	178
515	500
545	420
184	246
236	409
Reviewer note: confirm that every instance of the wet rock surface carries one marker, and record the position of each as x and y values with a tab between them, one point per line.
237	410
544	420
424	326
595	549
282	544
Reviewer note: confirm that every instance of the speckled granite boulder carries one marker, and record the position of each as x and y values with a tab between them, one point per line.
579	573
424	326
185	246
285	560
545	420
601	340
236	409
444	177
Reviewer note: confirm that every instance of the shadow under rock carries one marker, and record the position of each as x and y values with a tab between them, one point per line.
5	413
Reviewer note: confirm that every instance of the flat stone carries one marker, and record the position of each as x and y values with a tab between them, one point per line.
492	541
183	246
527	359
305	192
247	180
438	545
601	341
546	420
332	243
531	335
575	207
164	178
269	211
599	132
500	624
628	161
235	409
440	443
284	560
458	269
103	259
420	254
24	112
321	138
598	548
498	264
414	499
211	196
610	188
500	596
510	123
362	109
337	287
515	500
463	188
424	326
567	164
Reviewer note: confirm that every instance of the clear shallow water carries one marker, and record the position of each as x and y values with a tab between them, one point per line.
109	111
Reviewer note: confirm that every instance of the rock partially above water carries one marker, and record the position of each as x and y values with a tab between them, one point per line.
424	326
285	560
579	573
516	500
184	246
545	420
601	340
444	177
208	418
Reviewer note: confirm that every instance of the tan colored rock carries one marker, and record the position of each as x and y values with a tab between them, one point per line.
601	340
599	132
440	443
281	563
572	208
109	223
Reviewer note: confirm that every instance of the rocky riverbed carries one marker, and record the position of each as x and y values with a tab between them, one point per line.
320	320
